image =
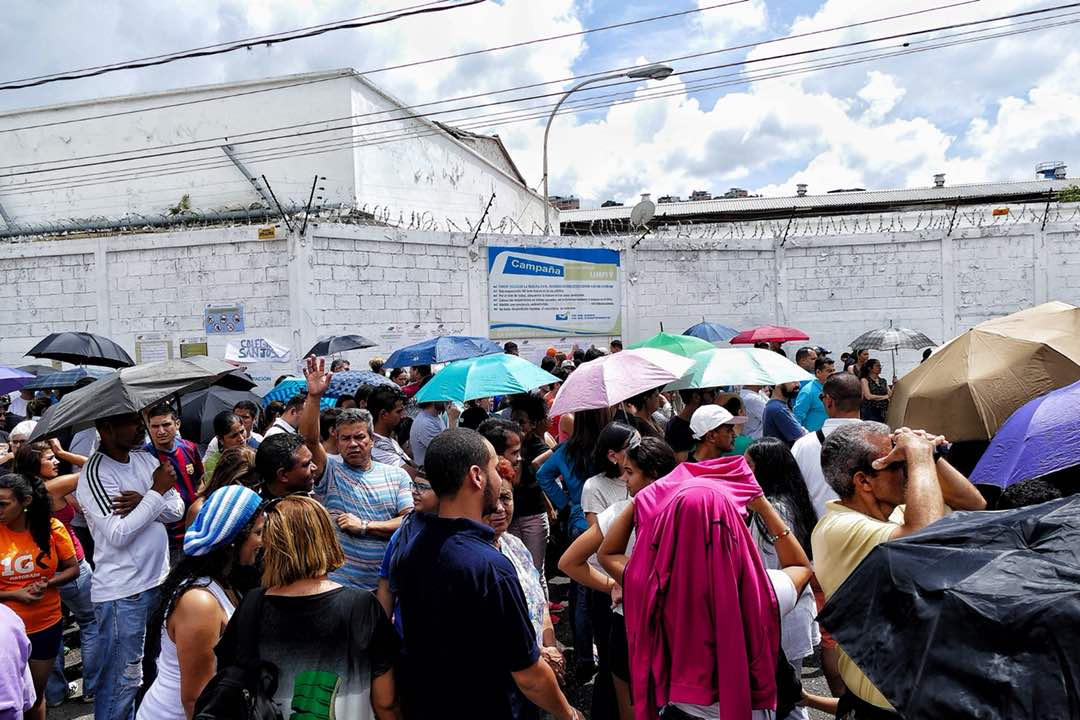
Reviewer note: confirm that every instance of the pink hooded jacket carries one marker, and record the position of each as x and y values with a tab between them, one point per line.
702	621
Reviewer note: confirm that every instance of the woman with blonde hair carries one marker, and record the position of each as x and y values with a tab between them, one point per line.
332	646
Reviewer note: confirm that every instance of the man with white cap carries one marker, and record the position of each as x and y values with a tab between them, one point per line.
714	429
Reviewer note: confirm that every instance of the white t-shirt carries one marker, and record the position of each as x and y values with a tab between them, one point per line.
131	553
807	452
604	521
280	426
754	404
799	632
85	442
18	405
600	492
785	597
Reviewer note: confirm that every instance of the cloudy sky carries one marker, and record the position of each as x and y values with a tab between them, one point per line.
977	111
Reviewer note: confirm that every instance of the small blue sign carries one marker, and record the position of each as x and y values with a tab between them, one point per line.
224	320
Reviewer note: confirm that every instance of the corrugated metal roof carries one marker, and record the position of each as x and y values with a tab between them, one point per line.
868	199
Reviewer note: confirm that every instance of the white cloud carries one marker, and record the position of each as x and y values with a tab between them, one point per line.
881	93
977	112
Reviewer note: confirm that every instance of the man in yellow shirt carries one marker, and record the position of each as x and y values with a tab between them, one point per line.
890	484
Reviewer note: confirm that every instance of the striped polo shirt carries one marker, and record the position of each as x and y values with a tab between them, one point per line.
381	492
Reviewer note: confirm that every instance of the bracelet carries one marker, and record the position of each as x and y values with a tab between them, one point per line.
773	538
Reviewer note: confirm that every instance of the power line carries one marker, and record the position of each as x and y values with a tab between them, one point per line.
628	23
180	150
150	62
507	117
255	38
484	94
483	120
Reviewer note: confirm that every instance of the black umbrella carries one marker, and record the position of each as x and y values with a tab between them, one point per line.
79	348
237	380
977	616
199	408
339	344
129	390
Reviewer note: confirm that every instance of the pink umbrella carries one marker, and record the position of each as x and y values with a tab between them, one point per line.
609	380
769	333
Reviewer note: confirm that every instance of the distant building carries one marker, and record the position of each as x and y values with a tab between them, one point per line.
567	202
225	149
700	195
673	211
733	193
666	199
611	203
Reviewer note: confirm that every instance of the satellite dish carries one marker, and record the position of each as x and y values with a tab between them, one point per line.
643	212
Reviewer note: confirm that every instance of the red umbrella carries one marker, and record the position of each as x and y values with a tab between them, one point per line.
769	333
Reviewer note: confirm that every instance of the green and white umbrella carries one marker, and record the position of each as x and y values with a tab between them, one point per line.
739	366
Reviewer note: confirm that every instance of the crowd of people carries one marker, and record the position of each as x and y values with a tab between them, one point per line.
384	558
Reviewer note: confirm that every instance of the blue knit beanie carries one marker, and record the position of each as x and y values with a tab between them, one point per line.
220	519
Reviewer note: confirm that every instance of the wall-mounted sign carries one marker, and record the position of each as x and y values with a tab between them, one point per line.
192	346
224	319
256	350
553	292
153	347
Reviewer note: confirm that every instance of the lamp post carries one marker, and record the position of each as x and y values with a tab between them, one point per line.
649	72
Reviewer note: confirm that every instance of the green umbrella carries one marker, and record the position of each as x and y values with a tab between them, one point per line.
484	376
685	345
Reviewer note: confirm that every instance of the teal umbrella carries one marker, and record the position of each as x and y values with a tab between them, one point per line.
484	376
684	345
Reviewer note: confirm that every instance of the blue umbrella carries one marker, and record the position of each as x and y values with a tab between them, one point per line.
348	382
12	379
442	349
290	388
1040	438
711	332
485	376
64	379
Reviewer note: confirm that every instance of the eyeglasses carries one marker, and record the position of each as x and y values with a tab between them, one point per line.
420	487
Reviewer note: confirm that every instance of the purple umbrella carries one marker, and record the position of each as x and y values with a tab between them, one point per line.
12	379
1041	437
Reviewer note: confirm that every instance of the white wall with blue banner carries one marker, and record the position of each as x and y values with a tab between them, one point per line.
554	292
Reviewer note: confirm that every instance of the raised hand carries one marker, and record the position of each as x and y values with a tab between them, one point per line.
318	379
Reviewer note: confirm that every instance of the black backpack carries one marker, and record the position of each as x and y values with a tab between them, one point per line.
244	690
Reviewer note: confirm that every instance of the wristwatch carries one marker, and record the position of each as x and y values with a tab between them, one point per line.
364	526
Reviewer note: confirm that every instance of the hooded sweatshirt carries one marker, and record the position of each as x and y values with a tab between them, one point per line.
702	621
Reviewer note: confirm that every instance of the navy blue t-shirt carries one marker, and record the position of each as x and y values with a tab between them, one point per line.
779	422
465	621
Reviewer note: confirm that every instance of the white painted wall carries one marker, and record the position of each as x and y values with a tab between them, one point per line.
424	177
396	285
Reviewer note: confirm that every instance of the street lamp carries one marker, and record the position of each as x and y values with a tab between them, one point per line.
648	72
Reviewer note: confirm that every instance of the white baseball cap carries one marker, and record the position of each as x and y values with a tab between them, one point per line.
710	417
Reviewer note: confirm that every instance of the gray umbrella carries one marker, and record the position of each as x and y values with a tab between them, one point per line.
130	390
892	339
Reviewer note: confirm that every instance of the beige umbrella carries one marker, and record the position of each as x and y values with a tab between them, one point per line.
968	388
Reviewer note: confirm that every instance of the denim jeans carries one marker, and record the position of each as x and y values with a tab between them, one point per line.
76	598
121	634
533	531
579	617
